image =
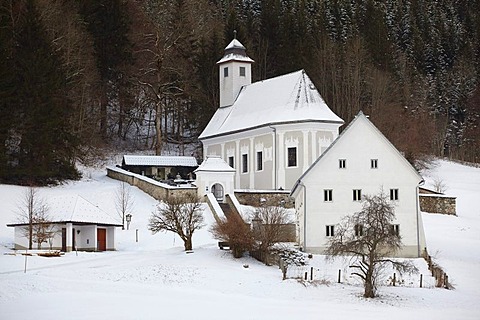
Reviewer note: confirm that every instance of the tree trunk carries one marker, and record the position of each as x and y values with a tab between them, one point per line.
187	243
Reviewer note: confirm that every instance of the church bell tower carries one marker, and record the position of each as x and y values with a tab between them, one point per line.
235	71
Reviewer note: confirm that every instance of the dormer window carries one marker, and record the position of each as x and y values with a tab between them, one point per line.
242	71
225	72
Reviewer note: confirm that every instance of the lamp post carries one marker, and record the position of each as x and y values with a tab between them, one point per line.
128	217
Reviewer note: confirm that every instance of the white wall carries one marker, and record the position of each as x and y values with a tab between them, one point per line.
358	146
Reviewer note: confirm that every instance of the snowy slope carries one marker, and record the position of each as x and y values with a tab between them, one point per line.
155	279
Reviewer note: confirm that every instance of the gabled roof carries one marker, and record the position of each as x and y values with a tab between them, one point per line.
289	98
160	161
214	164
359	117
76	209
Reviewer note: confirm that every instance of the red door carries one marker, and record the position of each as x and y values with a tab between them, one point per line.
101	239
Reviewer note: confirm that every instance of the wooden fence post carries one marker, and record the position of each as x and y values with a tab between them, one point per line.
306	275
339	274
311	273
394	278
421	279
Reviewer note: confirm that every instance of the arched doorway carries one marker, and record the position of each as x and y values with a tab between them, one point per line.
217	190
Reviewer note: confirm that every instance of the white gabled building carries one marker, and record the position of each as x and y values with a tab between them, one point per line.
269	131
360	161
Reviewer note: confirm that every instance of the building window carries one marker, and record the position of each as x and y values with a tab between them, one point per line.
292	156
259	160
357	194
358	230
242	71
244	163
395	229
373	163
231	161
225	72
342	163
393	194
328	195
330	231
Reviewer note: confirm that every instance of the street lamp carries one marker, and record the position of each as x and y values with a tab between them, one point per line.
128	217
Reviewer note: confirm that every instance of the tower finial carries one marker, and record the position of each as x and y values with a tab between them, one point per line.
234	34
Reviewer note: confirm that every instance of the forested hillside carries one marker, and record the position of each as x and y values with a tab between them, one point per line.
78	76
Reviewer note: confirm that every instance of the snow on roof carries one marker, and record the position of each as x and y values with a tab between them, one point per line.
284	99
234	44
216	164
235	51
78	209
171	161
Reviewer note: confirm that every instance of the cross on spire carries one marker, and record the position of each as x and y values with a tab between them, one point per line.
234	34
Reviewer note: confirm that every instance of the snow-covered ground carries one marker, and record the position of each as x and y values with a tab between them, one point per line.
156	279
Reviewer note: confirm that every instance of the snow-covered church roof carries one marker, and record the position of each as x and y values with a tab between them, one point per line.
288	98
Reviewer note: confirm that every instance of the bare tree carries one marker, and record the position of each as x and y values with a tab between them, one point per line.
43	229
236	232
179	214
31	208
370	238
123	201
269	224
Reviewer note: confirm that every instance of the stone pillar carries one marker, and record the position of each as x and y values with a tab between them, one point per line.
238	164
252	165
306	151
281	160
69	236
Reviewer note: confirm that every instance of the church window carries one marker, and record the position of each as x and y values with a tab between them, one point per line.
342	163
292	156
244	163
225	72
242	71
231	162
259	160
374	163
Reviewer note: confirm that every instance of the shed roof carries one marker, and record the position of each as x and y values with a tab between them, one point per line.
160	161
76	209
289	98
214	164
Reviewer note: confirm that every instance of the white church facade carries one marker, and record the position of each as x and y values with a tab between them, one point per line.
269	131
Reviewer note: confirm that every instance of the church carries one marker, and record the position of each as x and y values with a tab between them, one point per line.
271	131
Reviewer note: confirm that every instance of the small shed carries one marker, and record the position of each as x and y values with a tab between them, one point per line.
74	224
215	176
161	167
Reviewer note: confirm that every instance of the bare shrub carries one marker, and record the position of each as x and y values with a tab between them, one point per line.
236	232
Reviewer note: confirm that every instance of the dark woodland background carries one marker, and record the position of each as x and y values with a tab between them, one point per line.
78	77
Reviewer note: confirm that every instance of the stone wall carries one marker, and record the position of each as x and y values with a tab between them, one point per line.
438	204
252	198
154	188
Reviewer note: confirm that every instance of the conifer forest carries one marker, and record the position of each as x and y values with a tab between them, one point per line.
80	76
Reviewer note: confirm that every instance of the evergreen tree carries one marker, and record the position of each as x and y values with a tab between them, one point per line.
44	148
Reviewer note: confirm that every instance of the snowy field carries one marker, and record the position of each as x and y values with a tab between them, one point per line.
155	279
